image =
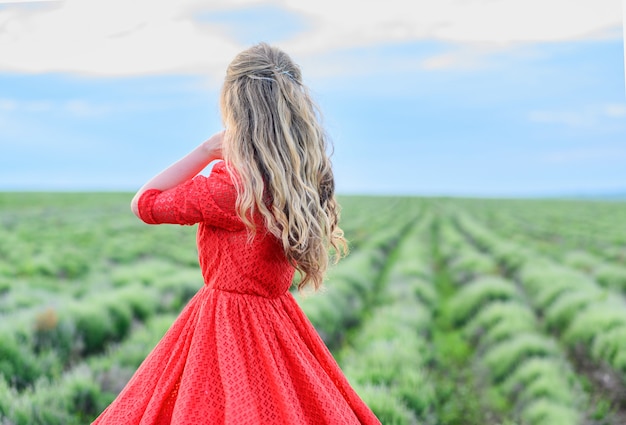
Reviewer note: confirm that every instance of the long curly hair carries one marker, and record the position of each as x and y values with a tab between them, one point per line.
277	146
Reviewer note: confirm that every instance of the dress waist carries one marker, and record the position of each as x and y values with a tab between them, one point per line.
251	293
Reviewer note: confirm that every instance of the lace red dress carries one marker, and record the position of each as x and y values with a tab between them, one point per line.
241	351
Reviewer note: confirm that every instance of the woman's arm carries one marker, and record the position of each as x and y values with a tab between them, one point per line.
183	169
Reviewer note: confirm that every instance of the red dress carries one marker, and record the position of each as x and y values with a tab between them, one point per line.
241	351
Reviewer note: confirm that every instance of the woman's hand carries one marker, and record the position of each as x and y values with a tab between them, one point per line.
183	169
213	145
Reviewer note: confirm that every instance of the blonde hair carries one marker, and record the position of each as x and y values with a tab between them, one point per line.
277	146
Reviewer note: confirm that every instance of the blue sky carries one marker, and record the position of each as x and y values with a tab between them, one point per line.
476	98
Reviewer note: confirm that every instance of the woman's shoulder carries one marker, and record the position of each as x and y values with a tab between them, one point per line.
222	172
219	167
220	176
220	187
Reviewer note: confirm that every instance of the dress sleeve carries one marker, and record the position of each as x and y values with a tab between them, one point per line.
210	200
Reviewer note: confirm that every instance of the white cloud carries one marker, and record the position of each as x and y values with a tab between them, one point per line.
501	22
82	108
112	37
461	58
568	118
588	116
26	1
585	155
74	107
11	105
615	110
119	37
7	105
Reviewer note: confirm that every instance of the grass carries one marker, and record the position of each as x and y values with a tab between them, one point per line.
450	305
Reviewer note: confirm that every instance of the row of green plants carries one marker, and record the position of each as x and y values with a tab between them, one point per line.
80	393
353	286
588	319
569	224
556	228
607	273
64	334
462	261
74	241
363	216
387	360
528	375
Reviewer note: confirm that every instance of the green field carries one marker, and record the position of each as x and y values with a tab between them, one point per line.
447	311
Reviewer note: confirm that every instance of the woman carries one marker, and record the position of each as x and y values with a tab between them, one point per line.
242	351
